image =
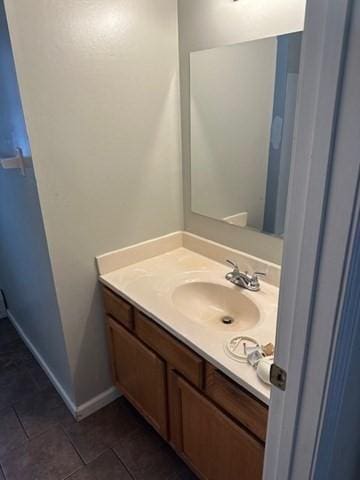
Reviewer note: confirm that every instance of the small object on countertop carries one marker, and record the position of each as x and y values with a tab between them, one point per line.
268	349
255	356
239	347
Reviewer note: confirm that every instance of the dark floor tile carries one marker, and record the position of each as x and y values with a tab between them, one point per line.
11	432
104	429
21	356
13	354
14	385
105	467
5	362
8	333
41	411
38	375
6	359
20	353
47	457
147	456
184	473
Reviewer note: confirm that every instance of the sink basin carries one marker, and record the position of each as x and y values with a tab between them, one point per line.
211	304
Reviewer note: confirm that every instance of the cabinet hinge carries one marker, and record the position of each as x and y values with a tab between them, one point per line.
278	377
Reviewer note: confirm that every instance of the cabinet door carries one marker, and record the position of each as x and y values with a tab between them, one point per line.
139	374
212	443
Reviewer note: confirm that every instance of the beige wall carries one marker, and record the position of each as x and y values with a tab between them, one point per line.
99	83
207	24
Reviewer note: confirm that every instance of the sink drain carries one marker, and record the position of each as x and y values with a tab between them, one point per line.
227	320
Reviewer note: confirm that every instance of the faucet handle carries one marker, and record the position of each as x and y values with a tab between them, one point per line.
233	264
254	279
260	274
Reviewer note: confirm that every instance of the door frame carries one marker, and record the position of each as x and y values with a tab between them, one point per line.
319	237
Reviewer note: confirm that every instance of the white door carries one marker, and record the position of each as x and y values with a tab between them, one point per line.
319	239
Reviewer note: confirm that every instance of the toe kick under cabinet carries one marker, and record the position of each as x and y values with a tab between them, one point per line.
216	427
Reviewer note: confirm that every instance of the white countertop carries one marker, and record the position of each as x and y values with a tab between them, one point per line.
149	285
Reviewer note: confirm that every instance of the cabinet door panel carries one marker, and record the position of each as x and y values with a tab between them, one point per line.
216	446
140	375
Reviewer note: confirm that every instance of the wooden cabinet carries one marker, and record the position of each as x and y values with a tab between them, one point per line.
140	375
217	427
185	361
216	447
236	401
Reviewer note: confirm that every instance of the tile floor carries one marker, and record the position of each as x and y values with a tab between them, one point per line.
40	440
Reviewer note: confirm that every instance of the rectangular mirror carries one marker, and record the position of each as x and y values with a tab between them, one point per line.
243	100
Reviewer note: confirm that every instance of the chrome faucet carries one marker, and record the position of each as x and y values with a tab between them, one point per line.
244	279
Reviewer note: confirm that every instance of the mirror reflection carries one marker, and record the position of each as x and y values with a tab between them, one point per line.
243	100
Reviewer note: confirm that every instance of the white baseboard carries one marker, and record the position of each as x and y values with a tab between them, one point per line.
79	412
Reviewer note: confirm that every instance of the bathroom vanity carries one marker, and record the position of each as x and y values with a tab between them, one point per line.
216	426
168	359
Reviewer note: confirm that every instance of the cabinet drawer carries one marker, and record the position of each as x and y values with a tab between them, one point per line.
174	352
236	401
118	308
